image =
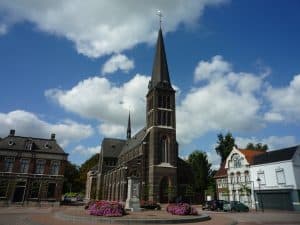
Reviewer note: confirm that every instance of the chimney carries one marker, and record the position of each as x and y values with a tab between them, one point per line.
12	132
52	136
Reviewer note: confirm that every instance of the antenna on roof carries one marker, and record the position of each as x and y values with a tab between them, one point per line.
160	16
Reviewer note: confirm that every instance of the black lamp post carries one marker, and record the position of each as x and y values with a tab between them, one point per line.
260	199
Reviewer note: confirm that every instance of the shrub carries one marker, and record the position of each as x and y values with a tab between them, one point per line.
181	209
106	208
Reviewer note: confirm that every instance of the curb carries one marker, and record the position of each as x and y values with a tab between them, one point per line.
110	220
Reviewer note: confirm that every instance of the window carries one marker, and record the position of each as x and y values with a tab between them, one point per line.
236	161
9	164
232	178
28	144
280	176
54	167
35	189
238	177
40	166
165	149
3	187
24	166
247	177
261	178
51	190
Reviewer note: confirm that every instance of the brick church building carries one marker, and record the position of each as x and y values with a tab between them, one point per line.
151	154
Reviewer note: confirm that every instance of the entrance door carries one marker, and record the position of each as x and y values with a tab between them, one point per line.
19	194
163	196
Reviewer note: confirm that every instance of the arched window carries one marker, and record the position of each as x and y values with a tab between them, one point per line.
165	149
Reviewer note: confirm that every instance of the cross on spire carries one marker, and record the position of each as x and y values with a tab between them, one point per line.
160	16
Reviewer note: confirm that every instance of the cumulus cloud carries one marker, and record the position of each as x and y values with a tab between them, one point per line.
28	124
228	101
104	27
273	142
118	62
285	102
86	151
98	98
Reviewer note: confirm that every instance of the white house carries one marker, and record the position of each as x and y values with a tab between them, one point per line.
276	177
240	184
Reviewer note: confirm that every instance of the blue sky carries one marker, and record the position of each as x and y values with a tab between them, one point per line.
75	69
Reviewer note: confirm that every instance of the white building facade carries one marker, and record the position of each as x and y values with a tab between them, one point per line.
276	176
262	180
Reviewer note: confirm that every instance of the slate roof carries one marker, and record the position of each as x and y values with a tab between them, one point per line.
18	143
160	73
276	155
112	147
222	172
250	154
136	140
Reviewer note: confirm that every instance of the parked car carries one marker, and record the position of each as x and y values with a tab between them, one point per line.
214	205
235	206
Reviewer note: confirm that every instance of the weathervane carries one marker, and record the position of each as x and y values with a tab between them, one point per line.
160	16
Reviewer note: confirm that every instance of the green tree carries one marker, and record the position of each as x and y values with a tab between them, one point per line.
71	178
258	147
224	145
86	166
202	170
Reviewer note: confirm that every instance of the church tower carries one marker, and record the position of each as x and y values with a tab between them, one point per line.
161	128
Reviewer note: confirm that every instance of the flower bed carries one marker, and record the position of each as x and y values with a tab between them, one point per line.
181	209
106	208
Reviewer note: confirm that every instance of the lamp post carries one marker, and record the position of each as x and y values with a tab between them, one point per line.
260	199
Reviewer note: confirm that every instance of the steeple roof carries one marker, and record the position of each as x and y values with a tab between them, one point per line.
160	73
129	127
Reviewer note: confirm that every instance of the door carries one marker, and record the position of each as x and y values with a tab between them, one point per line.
275	200
19	194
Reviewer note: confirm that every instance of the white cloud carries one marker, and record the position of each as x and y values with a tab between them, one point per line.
28	124
273	142
214	159
86	151
285	102
104	27
211	70
227	102
98	98
118	62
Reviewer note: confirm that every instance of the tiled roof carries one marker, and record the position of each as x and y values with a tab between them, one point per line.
250	154
276	155
19	143
134	141
222	172
112	147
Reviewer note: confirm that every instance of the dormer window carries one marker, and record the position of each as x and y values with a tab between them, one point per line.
28	144
10	143
47	145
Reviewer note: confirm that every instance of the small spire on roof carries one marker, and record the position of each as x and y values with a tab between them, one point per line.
129	127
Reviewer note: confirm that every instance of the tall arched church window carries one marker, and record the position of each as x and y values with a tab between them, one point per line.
165	149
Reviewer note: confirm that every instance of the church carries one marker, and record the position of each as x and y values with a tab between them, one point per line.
151	155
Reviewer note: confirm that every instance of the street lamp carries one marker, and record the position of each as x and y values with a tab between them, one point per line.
260	199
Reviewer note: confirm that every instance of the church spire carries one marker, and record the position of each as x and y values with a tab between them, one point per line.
160	73
129	127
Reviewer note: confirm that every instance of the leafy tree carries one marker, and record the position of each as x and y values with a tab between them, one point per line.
71	178
202	170
258	146
86	166
224	145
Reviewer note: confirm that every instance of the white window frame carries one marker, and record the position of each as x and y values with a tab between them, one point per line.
55	170
280	171
9	164
24	167
38	171
261	176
